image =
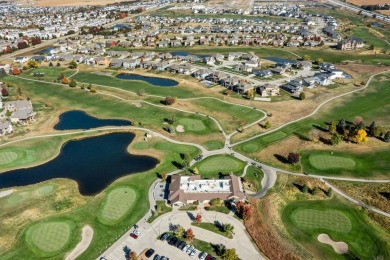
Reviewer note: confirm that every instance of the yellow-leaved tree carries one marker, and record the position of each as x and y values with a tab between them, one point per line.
196	171
361	136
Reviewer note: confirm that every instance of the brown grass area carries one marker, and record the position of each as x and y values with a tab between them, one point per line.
369	193
15	217
386	12
365	2
66	3
360	71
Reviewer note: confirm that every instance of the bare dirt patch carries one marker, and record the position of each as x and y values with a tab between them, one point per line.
386	12
338	247
360	71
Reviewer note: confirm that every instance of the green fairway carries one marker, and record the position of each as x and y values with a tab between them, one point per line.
338	163
116	205
364	34
213	145
49	238
305	220
328	161
211	166
7	157
193	125
321	219
254	176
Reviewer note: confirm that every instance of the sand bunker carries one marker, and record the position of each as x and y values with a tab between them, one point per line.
5	193
180	129
86	239
338	247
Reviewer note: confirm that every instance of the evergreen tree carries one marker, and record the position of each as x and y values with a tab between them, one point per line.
387	137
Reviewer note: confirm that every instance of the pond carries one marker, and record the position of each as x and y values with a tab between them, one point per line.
44	51
160	82
183	53
279	60
77	119
94	163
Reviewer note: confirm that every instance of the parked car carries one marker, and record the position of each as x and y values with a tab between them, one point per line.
190	249
194	252
157	257
165	236
172	241
182	245
178	242
149	253
185	248
164	258
203	256
133	235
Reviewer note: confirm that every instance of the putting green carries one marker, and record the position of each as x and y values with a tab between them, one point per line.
250	148
192	125
16	198
49	238
116	205
321	219
220	163
7	157
213	145
328	161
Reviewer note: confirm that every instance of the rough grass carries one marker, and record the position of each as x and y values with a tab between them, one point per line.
211	166
193	125
49	238
116	205
211	227
324	162
321	219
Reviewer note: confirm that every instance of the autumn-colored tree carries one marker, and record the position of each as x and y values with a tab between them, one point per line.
35	41
230	254
4	92
15	71
133	255
267	125
32	64
195	171
293	158
361	136
250	94
22	45
179	231
198	218
247	212
189	234
169	100
65	80
163	176
332	127
93	89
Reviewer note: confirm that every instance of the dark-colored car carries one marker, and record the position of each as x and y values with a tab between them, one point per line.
172	241
149	253
164	237
178	242
157	257
182	245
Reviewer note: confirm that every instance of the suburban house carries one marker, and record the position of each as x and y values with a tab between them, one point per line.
103	62
268	90
263	73
5	128
22	111
350	44
20	59
185	190
292	87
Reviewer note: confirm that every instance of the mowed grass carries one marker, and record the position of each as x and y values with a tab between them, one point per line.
49	238
211	166
321	219
374	164
327	161
364	34
7	157
192	125
305	220
117	205
213	145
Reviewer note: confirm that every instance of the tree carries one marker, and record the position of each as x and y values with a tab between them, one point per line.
329	192
198	218
246	212
230	254
58	64
378	131
22	45
195	171
361	136
65	80
15	71
319	61
189	234
72	65
215	202
4	92
228	228
141	92
220	249
387	137
305	189
72	83
169	101
19	91
306	57
35	41
335	139
341	125
250	94
332	127
50	64
133	255
179	231
302	96
93	89
267	125
32	64
372	127
371	47
293	158
163	176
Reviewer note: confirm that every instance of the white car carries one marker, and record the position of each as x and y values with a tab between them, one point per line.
137	232
185	248
193	253
203	256
190	249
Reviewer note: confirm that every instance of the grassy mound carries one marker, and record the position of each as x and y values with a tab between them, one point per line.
49	238
116	205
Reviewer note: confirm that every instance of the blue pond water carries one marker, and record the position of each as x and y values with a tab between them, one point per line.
183	53
77	119
93	163
160	82
44	51
279	60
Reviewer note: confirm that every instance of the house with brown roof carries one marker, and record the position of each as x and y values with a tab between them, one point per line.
184	189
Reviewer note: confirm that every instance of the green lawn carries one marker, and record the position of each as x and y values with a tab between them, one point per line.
49	238
213	145
364	34
162	208
116	205
7	157
305	220
211	166
366	103
51	73
254	176
337	163
211	227
192	125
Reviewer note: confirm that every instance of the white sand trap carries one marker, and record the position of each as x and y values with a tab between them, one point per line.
86	239
5	193
180	129
338	247
136	103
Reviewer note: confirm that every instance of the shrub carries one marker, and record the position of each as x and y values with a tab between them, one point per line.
293	158
169	101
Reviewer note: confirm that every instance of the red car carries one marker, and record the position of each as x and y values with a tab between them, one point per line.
135	234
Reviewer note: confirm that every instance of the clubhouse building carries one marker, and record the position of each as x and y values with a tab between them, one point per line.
185	190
